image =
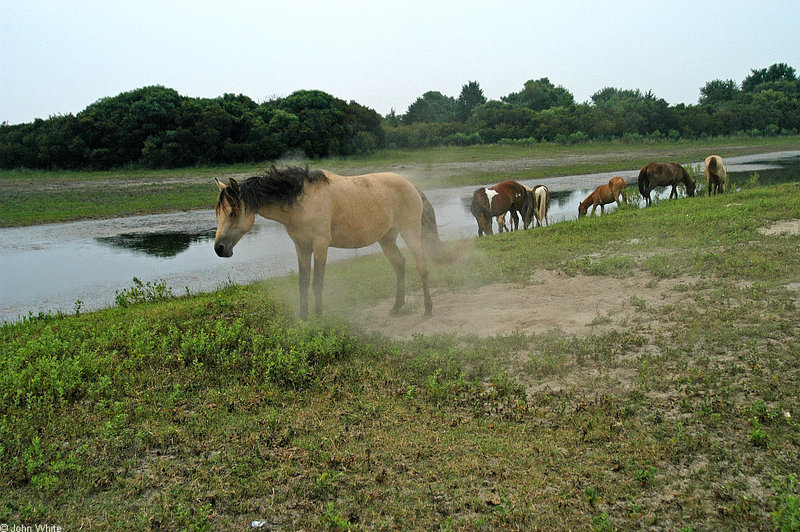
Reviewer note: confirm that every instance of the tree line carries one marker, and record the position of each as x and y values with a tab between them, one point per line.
157	127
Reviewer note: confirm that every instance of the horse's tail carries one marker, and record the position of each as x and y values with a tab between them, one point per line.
542	203
712	164
528	207
431	244
643	180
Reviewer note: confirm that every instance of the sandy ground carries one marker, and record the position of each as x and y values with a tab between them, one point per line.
782	227
577	305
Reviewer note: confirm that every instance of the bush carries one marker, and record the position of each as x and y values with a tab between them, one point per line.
578	137
462	139
527	141
140	292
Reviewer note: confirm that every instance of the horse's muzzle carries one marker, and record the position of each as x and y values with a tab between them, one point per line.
222	251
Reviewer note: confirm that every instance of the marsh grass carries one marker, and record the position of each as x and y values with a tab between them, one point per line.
210	411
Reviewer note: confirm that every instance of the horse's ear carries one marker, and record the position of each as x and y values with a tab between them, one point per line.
222	186
234	185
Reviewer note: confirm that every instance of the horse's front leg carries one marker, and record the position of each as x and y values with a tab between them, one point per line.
320	260
304	275
674	192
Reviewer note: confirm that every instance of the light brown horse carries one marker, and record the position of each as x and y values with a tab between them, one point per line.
507	196
603	195
662	175
321	209
716	174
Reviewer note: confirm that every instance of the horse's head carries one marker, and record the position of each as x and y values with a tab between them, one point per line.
690	186
582	209
233	218
687	179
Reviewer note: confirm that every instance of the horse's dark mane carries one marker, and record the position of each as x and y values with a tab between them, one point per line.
275	186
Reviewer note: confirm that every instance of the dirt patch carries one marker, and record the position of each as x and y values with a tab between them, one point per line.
782	227
577	305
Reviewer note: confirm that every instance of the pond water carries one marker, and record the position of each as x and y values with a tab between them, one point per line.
50	268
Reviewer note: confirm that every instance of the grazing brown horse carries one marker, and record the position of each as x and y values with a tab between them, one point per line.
507	196
716	175
662	175
603	195
321	209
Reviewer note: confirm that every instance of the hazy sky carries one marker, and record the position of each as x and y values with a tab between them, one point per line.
57	57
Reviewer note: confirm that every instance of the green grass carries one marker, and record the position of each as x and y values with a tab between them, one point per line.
32	197
210	411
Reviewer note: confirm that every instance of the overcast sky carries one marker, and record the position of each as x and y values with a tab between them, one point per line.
57	57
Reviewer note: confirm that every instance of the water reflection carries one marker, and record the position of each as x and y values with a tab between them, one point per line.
164	245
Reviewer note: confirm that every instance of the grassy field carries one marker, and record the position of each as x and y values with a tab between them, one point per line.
32	197
212	411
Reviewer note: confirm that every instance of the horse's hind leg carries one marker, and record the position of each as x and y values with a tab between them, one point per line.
412	236
389	246
484	225
501	223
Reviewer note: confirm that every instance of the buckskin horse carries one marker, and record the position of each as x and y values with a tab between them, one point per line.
320	209
488	202
663	175
603	195
716	174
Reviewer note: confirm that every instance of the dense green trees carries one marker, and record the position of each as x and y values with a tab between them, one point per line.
433	106
540	95
157	127
766	103
471	97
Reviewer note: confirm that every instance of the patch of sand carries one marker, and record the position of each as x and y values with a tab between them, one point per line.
782	227
574	304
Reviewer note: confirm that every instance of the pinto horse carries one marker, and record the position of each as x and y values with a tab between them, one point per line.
603	195
507	196
662	175
536	207
716	174
321	209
